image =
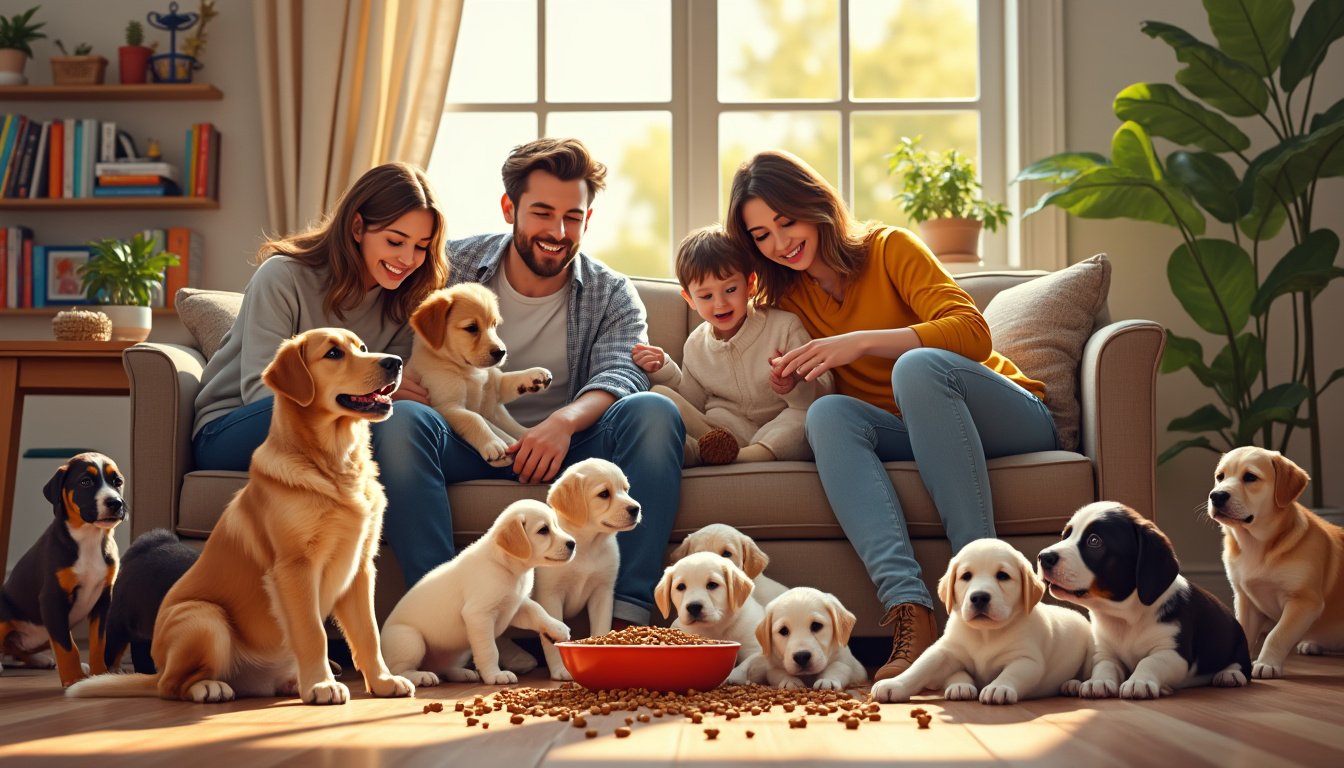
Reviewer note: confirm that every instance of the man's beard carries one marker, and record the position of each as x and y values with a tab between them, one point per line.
525	248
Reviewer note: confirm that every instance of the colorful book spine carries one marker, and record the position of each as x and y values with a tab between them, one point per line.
8	139
56	167
40	164
137	190
39	276
187	245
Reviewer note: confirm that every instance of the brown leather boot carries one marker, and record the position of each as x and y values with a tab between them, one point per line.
913	631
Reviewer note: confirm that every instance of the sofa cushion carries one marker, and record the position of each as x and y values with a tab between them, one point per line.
1042	326
208	315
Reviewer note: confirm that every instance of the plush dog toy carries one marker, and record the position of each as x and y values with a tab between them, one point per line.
67	575
151	566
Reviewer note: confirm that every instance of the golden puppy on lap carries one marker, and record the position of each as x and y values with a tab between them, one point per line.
1286	564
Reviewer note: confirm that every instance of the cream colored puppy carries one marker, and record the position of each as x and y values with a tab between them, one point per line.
727	541
1286	565
458	609
712	598
803	635
1001	643
457	355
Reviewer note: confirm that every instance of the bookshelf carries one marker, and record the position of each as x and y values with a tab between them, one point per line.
149	92
175	202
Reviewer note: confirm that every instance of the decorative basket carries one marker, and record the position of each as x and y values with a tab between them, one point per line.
78	70
81	325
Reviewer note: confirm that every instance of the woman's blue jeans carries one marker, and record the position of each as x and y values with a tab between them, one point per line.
955	413
418	456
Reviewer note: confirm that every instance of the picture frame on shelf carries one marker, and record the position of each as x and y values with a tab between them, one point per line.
63	282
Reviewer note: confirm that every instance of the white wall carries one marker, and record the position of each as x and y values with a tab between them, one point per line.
1104	52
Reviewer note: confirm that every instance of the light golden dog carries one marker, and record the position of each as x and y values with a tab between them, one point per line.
457	354
1002	644
804	634
729	542
1286	565
295	544
458	609
712	598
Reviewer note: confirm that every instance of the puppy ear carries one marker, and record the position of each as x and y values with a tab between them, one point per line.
739	586
764	636
514	541
1156	564
947	586
662	594
1289	480
52	490
1033	588
568	498
430	319
841	618
683	549
754	558
288	374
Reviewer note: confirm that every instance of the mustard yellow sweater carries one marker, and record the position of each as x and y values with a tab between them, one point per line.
901	285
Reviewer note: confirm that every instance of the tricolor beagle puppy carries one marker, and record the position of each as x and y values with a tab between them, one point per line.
67	575
1154	631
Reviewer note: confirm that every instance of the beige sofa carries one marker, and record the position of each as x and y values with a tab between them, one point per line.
780	504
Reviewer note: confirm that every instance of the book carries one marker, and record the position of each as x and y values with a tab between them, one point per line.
141	168
191	156
208	162
167	189
26	266
4	266
56	165
23	177
8	138
14	250
187	245
90	153
39	276
125	181
107	149
39	186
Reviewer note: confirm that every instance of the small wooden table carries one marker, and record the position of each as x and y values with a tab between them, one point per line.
47	368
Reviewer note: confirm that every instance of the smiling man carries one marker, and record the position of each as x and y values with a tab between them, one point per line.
576	317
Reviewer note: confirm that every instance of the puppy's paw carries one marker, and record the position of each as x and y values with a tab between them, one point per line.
41	661
961	692
1264	671
534	380
1229	678
327	692
791	682
495	452
1070	687
391	686
1310	649
499	677
1098	688
421	679
998	694
460	675
555	631
84	668
827	684
210	691
1140	688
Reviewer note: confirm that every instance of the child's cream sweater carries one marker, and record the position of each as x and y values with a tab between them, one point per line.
729	381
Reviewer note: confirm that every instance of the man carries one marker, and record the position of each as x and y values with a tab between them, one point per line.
576	317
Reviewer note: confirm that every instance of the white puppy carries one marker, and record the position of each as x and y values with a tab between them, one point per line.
459	608
804	634
727	541
712	598
1001	642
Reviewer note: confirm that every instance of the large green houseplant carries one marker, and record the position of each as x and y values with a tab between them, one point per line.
940	192
1261	72
124	276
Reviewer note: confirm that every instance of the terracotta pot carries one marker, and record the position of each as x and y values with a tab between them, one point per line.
134	61
952	240
12	62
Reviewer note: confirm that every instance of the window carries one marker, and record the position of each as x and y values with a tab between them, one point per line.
673	94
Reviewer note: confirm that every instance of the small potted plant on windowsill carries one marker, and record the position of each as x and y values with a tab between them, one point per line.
133	57
16	32
940	193
79	68
123	277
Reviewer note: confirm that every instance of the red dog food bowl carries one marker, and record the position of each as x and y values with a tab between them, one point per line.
655	667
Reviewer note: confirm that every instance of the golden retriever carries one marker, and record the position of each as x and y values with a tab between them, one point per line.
803	634
1002	644
458	609
457	355
295	544
1286	565
712	598
729	542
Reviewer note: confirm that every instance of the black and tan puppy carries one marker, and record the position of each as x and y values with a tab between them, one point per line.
152	564
66	576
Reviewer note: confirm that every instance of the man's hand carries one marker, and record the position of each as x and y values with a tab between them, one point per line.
648	357
537	457
410	388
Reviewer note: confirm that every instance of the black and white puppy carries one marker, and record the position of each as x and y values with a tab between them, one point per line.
1154	631
151	566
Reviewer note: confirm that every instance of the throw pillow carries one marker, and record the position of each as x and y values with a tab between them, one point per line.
1042	325
208	315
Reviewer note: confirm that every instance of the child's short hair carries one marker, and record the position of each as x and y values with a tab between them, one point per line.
709	251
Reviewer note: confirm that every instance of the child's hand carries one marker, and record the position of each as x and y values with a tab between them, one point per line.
782	385
648	357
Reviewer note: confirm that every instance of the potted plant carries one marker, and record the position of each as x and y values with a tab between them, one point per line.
133	57
124	276
940	193
79	68
16	32
1255	70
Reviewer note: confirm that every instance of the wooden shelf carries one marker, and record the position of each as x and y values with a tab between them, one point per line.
109	203
147	92
53	309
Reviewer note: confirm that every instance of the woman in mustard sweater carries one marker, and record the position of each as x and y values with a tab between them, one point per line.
916	377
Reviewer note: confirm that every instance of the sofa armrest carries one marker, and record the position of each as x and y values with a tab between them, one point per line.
1118	388
164	380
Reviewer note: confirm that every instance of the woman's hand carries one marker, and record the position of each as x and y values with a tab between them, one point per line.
410	388
648	357
818	356
782	385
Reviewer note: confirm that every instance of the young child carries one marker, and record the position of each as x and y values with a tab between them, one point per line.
734	407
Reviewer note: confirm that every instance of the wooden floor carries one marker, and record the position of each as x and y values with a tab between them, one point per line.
1295	721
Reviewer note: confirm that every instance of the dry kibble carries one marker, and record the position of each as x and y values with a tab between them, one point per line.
485	726
918	711
924	721
472	721
580	721
458	707
591	733
648	636
622	732
711	733
852	723
516	719
751	734
798	722
643	717
629	720
875	717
